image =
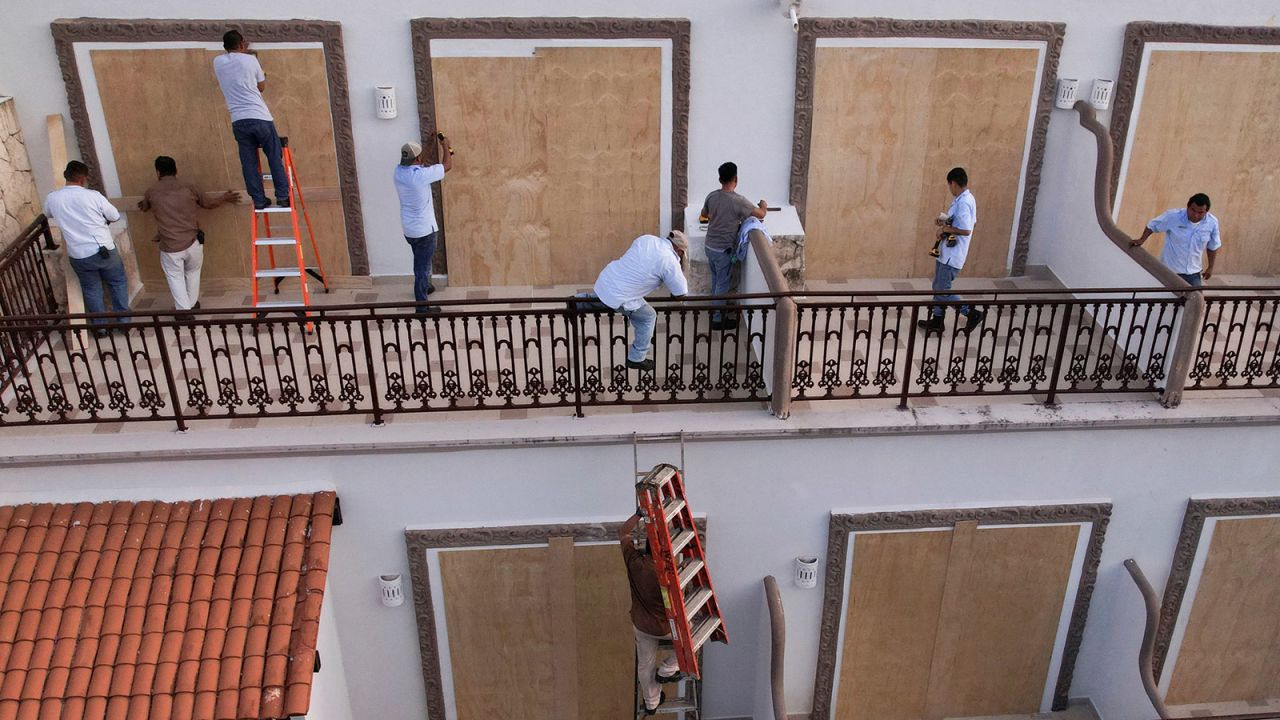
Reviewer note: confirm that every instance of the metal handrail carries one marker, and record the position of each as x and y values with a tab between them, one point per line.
1145	653
777	655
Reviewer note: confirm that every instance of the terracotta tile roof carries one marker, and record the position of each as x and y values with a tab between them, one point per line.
162	611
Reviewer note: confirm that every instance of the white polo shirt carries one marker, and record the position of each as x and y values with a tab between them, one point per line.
413	185
649	263
964	215
238	75
83	215
1185	241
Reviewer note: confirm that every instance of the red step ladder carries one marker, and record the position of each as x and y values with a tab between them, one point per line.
265	239
692	608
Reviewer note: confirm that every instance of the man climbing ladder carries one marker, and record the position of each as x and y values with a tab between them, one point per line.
649	618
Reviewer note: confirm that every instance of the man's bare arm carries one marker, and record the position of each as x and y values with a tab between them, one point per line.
1146	233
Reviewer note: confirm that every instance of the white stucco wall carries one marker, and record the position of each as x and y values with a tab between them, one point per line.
767	501
742	86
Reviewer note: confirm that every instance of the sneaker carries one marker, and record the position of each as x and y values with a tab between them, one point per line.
430	288
975	319
645	364
427	309
654	710
729	322
262	205
282	202
933	324
664	679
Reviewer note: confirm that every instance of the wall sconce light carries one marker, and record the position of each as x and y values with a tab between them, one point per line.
807	572
1066	97
385	99
1100	98
392	594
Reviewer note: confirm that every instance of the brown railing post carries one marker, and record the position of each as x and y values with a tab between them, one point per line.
575	339
368	357
911	348
785	327
169	377
1184	348
1057	355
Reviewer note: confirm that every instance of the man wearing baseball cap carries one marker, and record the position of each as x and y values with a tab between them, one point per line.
413	178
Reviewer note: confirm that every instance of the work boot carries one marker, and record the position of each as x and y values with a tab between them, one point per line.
664	679
654	710
645	364
932	325
975	319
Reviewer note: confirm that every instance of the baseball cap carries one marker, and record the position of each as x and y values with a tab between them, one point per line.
410	151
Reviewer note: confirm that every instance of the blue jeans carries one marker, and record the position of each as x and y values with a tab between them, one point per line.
423	249
643	319
93	271
251	135
723	281
1193	279
943	276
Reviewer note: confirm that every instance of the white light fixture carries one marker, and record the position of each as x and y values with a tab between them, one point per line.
385	99
1100	98
392	594
1066	93
790	10
807	572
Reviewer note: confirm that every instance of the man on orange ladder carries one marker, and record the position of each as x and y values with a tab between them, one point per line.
648	616
242	82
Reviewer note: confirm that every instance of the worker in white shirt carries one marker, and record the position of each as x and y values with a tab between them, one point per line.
956	231
413	179
242	81
649	263
83	216
1189	235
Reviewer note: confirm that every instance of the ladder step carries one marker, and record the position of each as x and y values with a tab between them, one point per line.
675	706
704	631
279	272
681	541
285	240
279	304
673	509
690	571
697	602
273	209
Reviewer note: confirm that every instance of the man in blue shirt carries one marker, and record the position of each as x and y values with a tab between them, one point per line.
957	232
413	178
1189	235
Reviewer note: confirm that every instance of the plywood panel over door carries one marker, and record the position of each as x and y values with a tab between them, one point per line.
1210	122
888	123
956	622
167	102
558	161
1231	647
504	610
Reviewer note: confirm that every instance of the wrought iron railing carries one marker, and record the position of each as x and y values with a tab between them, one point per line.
1239	341
380	360
26	289
1031	342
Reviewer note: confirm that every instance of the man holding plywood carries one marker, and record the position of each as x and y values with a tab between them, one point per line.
413	179
242	81
648	618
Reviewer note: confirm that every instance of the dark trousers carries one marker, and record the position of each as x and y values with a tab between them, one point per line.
423	249
251	135
95	271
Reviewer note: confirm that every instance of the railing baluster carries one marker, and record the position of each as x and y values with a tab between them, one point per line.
911	346
169	378
368	358
1057	355
575	342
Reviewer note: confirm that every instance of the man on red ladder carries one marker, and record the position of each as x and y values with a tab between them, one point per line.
648	616
242	82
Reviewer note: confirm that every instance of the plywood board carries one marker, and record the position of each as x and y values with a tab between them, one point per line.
558	164
495	215
606	644
895	596
500	635
603	153
888	123
1210	122
167	102
1004	598
1231	648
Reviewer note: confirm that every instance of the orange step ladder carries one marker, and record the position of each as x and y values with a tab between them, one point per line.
687	594
265	239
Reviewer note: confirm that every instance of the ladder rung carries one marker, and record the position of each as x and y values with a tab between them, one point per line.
675	706
704	631
681	541
697	602
279	272
273	209
285	240
690	571
673	509
279	304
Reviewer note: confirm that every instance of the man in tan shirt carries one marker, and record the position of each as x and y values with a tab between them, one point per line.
176	204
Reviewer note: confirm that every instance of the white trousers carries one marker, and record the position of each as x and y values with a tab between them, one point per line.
182	271
647	667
